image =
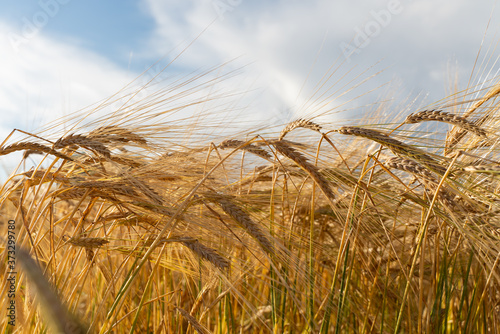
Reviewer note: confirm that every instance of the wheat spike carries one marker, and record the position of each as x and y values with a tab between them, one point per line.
441	116
233	143
87	242
410	166
205	252
85	142
300	123
397	147
456	134
32	147
428	179
112	133
244	220
196	325
119	187
291	153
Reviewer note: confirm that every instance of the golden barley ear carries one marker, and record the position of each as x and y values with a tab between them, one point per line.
110	134
195	246
410	166
192	321
456	134
234	143
441	116
87	242
243	219
396	146
300	123
31	148
205	252
83	142
427	178
57	316
288	151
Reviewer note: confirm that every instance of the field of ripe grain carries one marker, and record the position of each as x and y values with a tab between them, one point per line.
138	222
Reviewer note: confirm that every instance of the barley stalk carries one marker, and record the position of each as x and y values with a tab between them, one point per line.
489	169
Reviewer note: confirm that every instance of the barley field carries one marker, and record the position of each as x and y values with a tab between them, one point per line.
143	221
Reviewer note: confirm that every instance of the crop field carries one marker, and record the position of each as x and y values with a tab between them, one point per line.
145	221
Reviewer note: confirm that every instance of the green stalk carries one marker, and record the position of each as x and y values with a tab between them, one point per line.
423	232
342	293
311	265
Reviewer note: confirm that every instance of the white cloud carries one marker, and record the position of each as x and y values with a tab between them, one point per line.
242	31
44	79
282	38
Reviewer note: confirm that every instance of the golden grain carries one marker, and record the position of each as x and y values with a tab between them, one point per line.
233	143
300	123
33	147
441	116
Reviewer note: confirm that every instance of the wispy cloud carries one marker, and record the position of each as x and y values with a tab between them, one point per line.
283	38
45	79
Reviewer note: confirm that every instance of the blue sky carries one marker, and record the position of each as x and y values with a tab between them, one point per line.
84	51
111	28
